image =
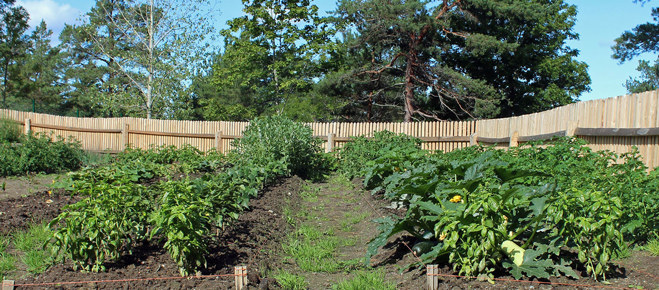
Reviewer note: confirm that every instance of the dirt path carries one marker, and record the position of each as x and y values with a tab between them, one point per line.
342	211
15	187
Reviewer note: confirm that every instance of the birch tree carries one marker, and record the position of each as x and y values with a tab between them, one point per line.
155	46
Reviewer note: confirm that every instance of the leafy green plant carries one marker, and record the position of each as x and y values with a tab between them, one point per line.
10	131
485	213
101	226
39	153
276	139
183	220
361	150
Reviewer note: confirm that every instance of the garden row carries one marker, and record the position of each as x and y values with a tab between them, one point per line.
534	211
179	197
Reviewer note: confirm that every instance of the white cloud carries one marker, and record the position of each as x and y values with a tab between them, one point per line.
55	14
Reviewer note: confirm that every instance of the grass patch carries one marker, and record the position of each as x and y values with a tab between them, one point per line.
313	250
340	182
352	218
364	280
7	262
652	246
287	212
34	238
31	244
309	193
289	281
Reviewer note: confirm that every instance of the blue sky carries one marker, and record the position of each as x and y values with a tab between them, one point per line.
599	22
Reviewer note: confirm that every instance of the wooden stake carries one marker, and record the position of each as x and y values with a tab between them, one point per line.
432	278
473	139
513	139
8	285
240	273
27	126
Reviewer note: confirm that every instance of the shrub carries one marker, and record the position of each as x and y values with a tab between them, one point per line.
10	131
355	154
39	153
282	145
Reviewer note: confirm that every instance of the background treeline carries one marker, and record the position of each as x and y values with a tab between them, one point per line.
368	60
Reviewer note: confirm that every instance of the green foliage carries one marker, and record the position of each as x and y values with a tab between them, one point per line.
289	281
31	243
361	150
119	210
39	153
280	146
371	280
653	246
10	131
642	39
648	81
7	261
186	159
183	220
473	200
455	59
103	225
272	54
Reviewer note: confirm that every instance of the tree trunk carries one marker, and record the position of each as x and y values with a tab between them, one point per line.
409	85
149	84
4	87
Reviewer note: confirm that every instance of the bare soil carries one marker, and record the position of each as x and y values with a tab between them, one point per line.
256	238
24	185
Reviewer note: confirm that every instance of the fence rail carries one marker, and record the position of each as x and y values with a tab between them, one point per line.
614	124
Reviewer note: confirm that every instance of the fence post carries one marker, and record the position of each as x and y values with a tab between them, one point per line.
571	128
27	126
218	142
473	139
513	139
7	284
240	273
330	142
431	277
124	136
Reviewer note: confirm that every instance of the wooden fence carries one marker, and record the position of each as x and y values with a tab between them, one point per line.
615	124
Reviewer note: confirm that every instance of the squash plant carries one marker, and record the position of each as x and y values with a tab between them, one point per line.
486	215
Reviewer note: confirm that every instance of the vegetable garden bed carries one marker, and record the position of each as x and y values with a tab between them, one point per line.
508	217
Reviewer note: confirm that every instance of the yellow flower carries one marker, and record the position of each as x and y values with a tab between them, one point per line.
442	237
50	192
456	198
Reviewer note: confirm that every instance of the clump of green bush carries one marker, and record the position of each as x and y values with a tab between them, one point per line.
39	153
10	131
360	150
281	146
